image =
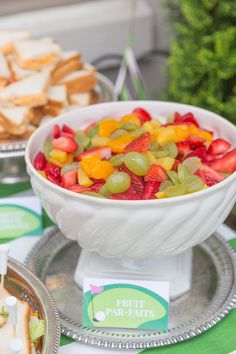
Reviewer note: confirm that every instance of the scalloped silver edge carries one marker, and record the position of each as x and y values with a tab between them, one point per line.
54	318
188	330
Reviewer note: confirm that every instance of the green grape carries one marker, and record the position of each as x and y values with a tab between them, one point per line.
160	153
137	163
117	160
104	191
136	133
130	126
119	182
69	167
93	131
93	194
165	185
82	140
172	148
117	133
174	191
183	172
173	176
80	133
193	163
47	148
80	147
153	146
193	183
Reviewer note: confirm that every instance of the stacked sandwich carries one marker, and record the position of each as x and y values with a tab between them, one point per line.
38	81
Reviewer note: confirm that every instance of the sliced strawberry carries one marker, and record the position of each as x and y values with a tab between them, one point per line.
40	161
195	141
91	125
78	188
97	186
130	194
66	135
200	152
68	130
156	173
104	153
219	146
141	144
209	176
176	164
183	148
225	164
136	181
56	131
52	173
185	118
64	143
69	179
142	114
150	189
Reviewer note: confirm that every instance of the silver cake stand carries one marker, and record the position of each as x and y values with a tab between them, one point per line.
212	296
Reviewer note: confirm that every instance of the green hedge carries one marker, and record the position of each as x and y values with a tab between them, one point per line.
202	65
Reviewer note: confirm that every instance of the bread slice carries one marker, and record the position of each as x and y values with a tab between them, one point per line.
70	61
3	136
31	91
19	73
8	37
22	327
80	81
15	120
57	96
81	99
5	73
36	54
46	119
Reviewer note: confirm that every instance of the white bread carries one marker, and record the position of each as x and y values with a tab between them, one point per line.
70	61
57	95
18	72
46	119
80	81
36	54
15	120
81	99
4	69
22	327
31	91
8	37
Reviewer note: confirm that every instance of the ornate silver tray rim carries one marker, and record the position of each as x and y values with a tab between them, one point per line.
53	328
223	301
16	148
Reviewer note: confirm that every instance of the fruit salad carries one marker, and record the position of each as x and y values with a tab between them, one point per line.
135	157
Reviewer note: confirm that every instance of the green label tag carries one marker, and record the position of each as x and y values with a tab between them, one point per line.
16	221
125	304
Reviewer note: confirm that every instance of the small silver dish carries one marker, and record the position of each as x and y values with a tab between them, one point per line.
12	162
23	284
212	296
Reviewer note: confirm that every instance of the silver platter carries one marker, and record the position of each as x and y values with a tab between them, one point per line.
12	162
212	296
26	286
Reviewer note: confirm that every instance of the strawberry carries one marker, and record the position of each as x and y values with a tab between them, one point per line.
69	179
53	173
130	194
91	125
136	181
56	131
150	189
64	143
40	161
141	144
183	147
156	173
225	164
66	135
104	153
199	152
195	141
68	130
209	176
97	186
176	164
78	188
185	118
219	146
143	115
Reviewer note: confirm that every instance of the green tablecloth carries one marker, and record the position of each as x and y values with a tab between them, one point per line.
219	340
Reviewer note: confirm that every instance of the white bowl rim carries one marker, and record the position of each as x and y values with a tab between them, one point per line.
116	202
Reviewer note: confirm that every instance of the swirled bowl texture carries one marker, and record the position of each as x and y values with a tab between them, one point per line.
135	229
